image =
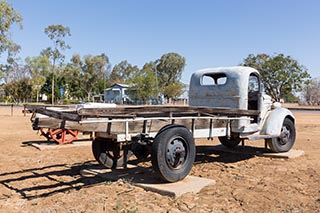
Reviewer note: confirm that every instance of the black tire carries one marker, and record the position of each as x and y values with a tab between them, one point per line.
141	151
173	153
109	153
230	142
286	139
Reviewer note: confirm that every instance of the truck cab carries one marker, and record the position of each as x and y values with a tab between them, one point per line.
241	88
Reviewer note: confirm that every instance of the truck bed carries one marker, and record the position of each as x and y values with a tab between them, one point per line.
134	119
73	114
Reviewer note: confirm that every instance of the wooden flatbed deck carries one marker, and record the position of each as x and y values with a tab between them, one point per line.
139	112
122	122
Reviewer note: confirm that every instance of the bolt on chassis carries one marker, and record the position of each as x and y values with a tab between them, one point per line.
225	102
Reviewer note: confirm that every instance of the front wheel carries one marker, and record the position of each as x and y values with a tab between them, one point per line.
287	137
173	153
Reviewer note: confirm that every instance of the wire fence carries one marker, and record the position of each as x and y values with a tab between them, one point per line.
11	110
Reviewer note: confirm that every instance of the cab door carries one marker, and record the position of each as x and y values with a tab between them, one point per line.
254	94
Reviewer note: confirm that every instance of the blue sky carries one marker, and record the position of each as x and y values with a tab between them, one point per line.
208	33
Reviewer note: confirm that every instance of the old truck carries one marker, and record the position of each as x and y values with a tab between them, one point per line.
226	102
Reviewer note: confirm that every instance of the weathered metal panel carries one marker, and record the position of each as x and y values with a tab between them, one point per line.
274	120
233	94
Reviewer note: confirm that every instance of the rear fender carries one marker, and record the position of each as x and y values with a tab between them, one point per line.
273	123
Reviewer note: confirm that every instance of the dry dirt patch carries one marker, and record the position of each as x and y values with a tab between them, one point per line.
50	180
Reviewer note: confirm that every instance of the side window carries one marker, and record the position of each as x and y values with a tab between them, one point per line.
253	94
253	84
214	79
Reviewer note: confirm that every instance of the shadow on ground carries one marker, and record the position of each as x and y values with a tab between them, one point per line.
45	181
52	142
222	154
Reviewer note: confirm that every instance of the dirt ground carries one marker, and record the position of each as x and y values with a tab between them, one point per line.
49	181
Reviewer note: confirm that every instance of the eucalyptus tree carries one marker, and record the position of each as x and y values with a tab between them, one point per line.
282	75
57	34
145	83
19	87
93	69
85	75
169	70
123	72
72	75
39	67
311	92
8	17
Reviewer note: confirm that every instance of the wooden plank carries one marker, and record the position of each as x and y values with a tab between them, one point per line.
72	115
161	110
66	113
132	112
34	107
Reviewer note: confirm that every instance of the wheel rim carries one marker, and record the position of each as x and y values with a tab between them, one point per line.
176	153
285	135
63	135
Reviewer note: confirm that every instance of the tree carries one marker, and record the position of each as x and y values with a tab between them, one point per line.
123	72
87	74
17	82
47	86
94	69
145	83
169	71
57	34
19	90
8	17
72	75
174	90
17	72
282	75
39	69
311	92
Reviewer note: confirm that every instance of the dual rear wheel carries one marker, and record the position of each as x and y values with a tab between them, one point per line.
172	153
109	153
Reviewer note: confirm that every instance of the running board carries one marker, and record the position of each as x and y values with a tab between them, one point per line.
256	137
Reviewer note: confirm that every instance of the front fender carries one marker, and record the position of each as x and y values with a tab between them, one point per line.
274	120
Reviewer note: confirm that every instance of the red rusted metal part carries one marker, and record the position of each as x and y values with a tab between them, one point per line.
63	136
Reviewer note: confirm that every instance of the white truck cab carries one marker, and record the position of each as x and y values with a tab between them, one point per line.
241	88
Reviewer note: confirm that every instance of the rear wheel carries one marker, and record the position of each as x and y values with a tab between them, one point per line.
230	142
109	153
287	137
173	153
